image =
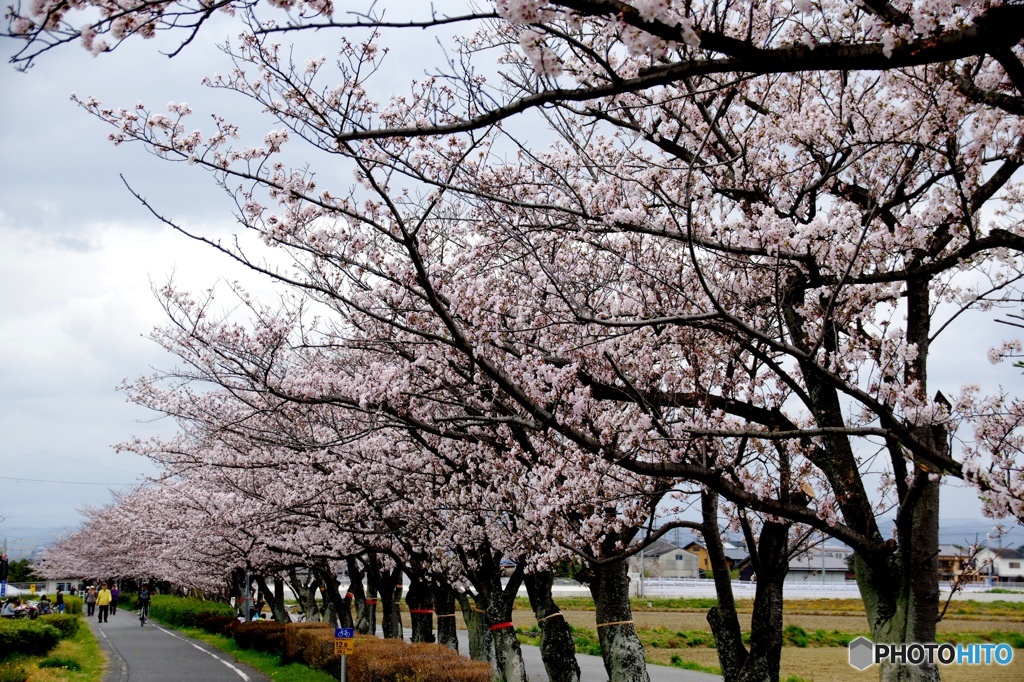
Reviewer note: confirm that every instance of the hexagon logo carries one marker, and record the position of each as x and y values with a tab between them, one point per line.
862	653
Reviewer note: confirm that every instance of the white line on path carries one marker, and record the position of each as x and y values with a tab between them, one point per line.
205	651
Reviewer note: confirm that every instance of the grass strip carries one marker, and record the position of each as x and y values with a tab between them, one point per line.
268	664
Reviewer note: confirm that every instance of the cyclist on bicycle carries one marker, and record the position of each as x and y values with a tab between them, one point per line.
144	596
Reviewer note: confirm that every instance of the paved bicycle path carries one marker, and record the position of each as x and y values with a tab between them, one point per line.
153	653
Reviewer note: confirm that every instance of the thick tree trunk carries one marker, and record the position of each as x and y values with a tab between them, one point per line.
901	594
444	606
762	664
725	624
337	610
621	649
390	589
557	648
420	601
901	591
366	607
305	593
480	647
508	653
275	598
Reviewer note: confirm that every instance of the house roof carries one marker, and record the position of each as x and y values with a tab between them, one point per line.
1006	553
659	548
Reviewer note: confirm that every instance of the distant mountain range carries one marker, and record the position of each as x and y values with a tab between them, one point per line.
25	542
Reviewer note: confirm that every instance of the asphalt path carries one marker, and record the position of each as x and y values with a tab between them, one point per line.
153	653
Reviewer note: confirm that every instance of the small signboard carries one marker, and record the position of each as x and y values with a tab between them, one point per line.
344	633
344	647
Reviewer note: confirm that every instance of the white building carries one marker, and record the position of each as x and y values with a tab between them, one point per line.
1001	564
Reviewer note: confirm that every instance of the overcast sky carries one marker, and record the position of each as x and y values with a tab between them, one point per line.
78	256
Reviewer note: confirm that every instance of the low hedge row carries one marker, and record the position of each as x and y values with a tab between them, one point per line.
28	637
184	612
66	623
373	659
391	660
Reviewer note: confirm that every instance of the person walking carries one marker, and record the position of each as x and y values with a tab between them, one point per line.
90	601
103	598
114	595
58	602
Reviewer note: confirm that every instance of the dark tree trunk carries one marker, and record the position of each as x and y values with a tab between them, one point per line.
275	598
772	562
900	592
621	648
725	624
444	606
305	592
330	588
389	585
557	648
420	601
365	621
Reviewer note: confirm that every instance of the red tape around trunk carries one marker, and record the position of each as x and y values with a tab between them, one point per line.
421	611
501	626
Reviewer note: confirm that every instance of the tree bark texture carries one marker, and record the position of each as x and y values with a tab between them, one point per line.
444	608
480	646
621	648
420	601
725	624
304	590
275	598
557	648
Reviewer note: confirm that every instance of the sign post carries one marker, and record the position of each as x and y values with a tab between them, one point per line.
344	645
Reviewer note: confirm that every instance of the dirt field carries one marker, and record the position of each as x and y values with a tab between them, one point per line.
817	664
826	664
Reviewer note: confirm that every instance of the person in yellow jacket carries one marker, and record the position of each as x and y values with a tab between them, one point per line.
103	599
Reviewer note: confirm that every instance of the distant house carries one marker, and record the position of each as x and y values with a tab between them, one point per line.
817	566
664	560
734	555
1005	564
953	561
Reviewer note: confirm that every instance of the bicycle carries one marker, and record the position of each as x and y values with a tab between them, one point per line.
143	613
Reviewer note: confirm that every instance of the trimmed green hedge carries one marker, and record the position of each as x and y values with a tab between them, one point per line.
185	612
29	637
66	623
73	605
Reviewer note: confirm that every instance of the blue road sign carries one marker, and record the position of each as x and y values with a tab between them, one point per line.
344	633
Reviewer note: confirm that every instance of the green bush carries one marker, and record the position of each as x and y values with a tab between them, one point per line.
795	635
28	637
260	635
60	662
13	674
66	623
72	605
183	612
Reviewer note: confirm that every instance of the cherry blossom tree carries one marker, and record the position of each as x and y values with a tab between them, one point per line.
728	270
